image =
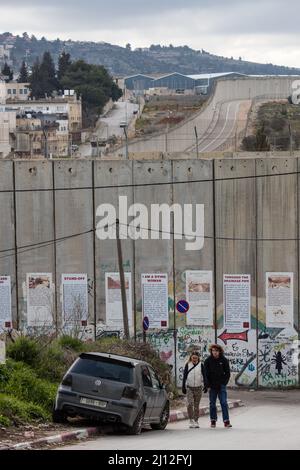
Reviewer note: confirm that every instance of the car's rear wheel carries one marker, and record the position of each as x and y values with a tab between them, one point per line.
136	428
164	419
59	417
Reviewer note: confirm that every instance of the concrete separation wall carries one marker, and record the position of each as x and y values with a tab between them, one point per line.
248	203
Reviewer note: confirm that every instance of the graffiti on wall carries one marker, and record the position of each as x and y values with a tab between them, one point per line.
188	339
276	358
240	349
163	342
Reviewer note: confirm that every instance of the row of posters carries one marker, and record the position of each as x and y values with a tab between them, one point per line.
40	289
40	298
279	300
155	299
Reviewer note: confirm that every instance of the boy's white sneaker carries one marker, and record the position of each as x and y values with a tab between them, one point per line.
192	424
196	425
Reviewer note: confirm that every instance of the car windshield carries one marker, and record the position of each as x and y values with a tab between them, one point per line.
104	369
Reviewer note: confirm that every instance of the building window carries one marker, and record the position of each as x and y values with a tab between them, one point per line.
21	91
14	91
9	91
25	91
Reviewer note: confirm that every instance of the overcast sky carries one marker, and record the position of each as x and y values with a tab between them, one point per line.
257	30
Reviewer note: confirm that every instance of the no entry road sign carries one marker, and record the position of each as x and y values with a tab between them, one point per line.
183	306
146	323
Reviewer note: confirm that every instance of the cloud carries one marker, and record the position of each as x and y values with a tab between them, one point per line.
261	30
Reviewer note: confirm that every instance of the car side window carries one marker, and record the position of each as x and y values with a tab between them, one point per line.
146	377
155	380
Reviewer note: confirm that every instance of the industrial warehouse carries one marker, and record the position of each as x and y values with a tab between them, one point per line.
176	82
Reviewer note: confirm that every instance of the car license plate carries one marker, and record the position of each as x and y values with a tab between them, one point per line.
98	403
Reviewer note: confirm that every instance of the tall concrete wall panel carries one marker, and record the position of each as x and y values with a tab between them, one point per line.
153	185
277	251
199	190
73	215
34	216
113	180
235	214
7	234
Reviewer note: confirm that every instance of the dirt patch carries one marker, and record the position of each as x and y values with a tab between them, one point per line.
161	112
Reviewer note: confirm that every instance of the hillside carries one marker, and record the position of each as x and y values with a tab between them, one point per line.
124	61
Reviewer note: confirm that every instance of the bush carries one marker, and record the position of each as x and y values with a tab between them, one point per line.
25	385
54	362
16	412
24	349
68	342
4	421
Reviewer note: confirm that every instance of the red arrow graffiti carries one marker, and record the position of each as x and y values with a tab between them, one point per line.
233	336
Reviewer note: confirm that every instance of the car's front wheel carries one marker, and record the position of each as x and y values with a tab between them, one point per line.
164	419
136	428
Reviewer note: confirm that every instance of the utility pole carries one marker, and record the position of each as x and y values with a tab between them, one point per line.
71	145
291	138
122	282
126	143
46	143
197	141
97	146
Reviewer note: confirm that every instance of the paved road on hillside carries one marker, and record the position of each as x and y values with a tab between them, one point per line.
216	127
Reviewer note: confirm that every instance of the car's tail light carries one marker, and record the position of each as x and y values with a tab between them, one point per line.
67	380
130	392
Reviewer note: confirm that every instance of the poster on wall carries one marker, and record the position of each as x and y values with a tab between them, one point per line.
39	300
155	299
237	301
279	300
75	302
114	312
199	294
5	302
2	352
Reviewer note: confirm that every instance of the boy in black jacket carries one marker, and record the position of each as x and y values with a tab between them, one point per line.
217	375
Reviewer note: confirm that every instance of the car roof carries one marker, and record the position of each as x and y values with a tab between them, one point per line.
116	357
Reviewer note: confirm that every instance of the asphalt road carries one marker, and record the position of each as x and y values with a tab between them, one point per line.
216	125
270	420
109	126
123	111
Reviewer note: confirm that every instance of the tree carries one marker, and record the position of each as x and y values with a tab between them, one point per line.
35	83
94	84
23	76
128	47
43	79
8	73
116	92
64	62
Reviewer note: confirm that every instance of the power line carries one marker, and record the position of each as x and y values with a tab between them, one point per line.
161	183
32	247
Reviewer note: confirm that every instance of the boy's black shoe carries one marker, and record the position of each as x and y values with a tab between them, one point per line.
227	424
213	424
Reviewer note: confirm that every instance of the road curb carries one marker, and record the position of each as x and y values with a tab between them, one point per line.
204	410
176	415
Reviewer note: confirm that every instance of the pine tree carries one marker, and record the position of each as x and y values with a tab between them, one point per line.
35	82
8	73
23	76
48	74
43	79
64	63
